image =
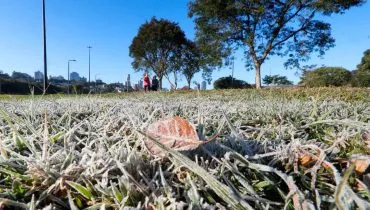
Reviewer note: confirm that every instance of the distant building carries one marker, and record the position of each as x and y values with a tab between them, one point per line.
128	82
204	85
39	76
136	87
74	76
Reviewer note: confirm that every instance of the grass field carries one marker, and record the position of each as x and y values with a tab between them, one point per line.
276	149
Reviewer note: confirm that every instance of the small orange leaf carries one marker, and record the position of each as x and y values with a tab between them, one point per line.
175	133
305	159
362	163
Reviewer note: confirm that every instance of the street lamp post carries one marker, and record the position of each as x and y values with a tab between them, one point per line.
89	64
68	74
44	39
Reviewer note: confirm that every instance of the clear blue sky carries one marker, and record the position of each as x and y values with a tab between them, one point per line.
110	25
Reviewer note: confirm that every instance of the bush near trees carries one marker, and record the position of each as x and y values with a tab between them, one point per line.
326	77
276	80
229	83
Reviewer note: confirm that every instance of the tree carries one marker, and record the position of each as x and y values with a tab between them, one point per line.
365	62
227	83
190	61
265	28
361	76
4	75
155	46
276	80
326	76
21	76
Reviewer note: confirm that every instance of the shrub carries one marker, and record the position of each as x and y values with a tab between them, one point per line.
228	83
326	76
360	79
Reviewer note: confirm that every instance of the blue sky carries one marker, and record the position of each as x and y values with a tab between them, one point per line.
110	25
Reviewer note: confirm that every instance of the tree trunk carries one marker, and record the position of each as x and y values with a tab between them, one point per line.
160	82
189	81
258	75
175	78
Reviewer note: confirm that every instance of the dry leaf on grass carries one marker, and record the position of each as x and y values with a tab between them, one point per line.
175	133
361	163
366	137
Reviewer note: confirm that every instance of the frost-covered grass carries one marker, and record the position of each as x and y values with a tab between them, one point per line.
276	149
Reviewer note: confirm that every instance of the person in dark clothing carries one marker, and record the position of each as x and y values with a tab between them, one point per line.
155	83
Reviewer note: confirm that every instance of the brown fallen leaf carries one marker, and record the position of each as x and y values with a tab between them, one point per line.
175	133
361	163
305	159
366	137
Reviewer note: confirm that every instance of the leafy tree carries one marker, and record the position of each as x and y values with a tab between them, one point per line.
277	80
265	28
155	46
365	62
229	82
4	75
190	61
326	76
177	63
361	77
21	76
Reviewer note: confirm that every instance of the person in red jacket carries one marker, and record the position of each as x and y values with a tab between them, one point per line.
146	82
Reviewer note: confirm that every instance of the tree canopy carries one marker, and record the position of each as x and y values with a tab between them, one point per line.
365	62
156	45
361	76
265	28
276	80
326	76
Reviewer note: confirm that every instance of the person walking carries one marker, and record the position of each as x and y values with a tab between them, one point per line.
146	82
155	83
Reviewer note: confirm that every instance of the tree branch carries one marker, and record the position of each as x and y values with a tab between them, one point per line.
303	27
281	23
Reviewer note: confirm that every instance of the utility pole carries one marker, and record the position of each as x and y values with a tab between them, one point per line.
89	65
45	57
